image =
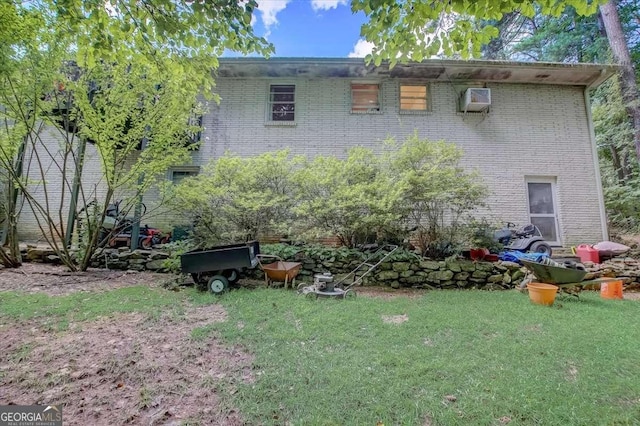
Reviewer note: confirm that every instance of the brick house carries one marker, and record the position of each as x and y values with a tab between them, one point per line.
526	127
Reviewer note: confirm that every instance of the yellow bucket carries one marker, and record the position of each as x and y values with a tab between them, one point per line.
542	294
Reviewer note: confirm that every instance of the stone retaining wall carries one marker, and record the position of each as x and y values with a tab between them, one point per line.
416	273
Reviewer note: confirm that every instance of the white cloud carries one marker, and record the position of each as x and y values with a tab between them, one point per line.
327	4
361	49
270	9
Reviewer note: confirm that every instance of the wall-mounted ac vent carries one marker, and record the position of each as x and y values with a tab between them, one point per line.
476	99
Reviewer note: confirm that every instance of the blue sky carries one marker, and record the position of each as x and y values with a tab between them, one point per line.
311	28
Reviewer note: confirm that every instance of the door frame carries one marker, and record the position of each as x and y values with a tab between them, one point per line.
553	181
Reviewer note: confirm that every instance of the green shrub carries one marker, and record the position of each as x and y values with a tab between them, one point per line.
351	199
175	249
238	199
437	194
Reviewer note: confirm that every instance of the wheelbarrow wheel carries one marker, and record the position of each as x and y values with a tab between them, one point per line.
218	284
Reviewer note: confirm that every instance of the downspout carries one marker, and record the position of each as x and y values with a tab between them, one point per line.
596	165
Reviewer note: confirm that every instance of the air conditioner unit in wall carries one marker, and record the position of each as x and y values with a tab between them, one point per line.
476	99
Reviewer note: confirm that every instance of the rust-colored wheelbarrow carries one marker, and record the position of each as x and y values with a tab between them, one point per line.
279	270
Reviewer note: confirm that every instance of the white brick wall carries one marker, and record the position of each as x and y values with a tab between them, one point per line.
531	130
57	199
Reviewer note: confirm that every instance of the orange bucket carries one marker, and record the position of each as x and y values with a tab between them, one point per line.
611	290
542	294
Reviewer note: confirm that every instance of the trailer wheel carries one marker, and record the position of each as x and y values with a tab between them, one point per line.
231	275
218	284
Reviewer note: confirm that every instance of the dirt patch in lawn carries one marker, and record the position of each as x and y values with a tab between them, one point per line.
56	280
126	369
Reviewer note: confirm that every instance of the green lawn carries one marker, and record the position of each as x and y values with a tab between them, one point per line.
478	358
461	358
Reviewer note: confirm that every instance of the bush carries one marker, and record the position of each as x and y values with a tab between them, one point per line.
238	199
437	195
351	199
417	185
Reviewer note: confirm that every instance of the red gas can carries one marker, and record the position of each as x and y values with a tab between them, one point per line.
587	253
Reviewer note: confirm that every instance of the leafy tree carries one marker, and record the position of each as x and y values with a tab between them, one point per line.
29	64
351	199
146	63
436	193
418	29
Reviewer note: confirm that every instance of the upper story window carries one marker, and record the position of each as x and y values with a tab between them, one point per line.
177	175
282	102
414	97
365	97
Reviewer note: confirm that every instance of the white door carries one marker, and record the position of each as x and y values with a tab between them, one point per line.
543	213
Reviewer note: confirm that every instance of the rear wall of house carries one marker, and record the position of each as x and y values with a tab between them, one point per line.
531	133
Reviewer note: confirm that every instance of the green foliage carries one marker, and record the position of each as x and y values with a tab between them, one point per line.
417	184
568	37
175	249
482	235
436	193
178	37
284	251
403	31
238	199
118	74
351	198
618	165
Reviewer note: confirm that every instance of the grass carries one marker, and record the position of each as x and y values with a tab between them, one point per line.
461	358
59	311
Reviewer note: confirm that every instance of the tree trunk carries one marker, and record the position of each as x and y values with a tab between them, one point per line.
620	49
617	164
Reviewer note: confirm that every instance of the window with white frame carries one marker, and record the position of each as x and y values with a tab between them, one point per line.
282	102
177	175
365	97
414	97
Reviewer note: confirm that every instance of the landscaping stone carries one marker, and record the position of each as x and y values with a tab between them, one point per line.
388	275
407	273
401	266
463	276
418	273
155	265
454	266
479	274
157	255
495	278
441	275
429	264
468	266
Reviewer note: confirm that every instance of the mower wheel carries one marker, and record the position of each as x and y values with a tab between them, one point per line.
541	247
349	294
218	284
